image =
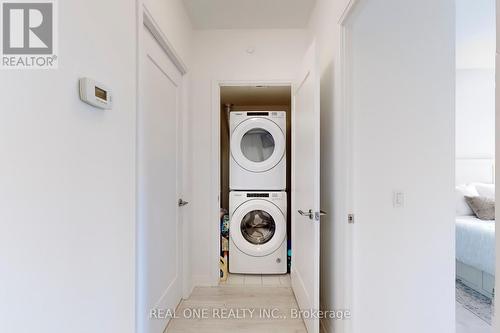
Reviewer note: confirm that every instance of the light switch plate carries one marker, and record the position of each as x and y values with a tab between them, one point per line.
398	199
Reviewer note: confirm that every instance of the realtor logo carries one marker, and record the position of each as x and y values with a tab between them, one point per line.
28	34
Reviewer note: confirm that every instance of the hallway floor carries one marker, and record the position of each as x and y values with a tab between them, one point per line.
244	303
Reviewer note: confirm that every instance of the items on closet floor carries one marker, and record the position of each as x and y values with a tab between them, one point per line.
224	245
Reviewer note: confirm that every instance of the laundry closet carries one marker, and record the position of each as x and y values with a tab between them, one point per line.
255	180
263	218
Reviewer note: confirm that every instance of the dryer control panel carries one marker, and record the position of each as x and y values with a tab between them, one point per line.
268	114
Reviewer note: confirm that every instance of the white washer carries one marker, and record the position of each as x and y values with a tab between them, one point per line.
257	232
258	150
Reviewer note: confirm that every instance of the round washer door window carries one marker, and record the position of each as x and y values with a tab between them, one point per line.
257	145
258	227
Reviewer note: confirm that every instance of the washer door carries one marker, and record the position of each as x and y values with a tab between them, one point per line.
258	227
257	144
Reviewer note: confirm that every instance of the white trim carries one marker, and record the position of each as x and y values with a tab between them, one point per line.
154	28
475	157
215	162
347	206
346	13
496	315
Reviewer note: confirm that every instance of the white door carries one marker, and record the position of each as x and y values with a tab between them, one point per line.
159	233
401	80
305	188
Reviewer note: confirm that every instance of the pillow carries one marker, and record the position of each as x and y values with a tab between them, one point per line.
462	208
483	207
485	190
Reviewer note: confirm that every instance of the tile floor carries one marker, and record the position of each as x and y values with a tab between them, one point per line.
257	280
241	294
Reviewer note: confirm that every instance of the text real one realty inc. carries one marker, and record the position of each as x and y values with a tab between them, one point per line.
243	313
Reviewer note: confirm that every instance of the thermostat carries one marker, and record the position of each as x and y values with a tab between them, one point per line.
95	94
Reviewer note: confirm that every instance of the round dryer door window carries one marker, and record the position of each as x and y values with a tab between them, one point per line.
258	144
258	227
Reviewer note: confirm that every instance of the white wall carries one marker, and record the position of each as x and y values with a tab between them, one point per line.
67	195
221	55
475	112
389	295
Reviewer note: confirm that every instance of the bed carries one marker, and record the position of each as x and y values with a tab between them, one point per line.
475	253
475	238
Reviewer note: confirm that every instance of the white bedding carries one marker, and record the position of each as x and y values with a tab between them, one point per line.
475	243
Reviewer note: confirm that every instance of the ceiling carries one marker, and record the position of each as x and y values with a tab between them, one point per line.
249	14
263	95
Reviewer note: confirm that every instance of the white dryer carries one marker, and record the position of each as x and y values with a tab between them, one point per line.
258	150
257	232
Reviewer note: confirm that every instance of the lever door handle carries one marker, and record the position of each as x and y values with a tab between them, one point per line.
318	215
312	215
309	214
182	203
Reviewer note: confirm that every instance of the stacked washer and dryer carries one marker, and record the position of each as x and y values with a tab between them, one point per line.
257	197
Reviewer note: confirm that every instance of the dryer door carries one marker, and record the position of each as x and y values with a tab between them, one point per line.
258	144
258	227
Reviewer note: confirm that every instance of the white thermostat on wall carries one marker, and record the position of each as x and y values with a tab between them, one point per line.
96	94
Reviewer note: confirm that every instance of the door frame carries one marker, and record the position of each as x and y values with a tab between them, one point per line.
146	20
346	204
496	321
215	161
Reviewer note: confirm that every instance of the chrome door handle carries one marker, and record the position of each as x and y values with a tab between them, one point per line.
182	203
309	214
317	215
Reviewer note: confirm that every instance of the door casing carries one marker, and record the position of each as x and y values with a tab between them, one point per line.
215	162
346	202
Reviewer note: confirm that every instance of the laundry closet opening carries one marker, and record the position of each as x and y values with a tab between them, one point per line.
255	180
